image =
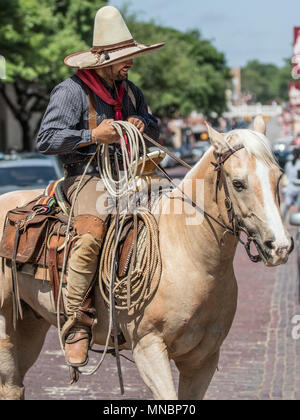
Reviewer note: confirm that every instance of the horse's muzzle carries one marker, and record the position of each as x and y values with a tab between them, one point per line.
279	255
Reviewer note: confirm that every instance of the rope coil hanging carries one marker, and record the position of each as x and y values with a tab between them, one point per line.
135	287
139	284
124	186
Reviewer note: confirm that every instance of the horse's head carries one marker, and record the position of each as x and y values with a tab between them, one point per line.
252	177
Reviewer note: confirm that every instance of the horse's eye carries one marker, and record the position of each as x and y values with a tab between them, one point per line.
238	185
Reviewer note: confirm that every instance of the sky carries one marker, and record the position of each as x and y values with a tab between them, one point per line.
242	29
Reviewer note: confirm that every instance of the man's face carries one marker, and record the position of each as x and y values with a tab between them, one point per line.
117	72
120	71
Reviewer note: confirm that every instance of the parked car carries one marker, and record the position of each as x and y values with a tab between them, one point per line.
27	173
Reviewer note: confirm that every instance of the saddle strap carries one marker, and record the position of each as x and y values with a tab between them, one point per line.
17	307
54	276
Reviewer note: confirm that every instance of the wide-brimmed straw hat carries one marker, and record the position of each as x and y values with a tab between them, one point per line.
112	44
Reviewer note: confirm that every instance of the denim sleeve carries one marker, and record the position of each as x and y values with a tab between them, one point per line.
58	133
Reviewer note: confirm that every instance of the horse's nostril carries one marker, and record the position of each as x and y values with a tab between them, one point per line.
280	251
269	244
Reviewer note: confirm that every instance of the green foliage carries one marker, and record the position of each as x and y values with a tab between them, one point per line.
35	37
187	74
266	82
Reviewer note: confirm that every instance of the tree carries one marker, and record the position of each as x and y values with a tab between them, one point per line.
187	74
35	37
282	80
266	82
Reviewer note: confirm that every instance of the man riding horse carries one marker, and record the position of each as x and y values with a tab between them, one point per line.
77	119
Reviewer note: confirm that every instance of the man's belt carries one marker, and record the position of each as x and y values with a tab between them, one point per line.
77	169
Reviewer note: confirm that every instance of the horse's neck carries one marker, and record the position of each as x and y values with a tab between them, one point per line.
204	238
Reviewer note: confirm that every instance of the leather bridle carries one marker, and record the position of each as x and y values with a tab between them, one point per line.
236	227
221	180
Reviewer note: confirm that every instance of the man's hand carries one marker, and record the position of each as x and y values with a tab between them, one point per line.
138	123
105	133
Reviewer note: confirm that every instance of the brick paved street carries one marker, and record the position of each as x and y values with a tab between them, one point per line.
259	359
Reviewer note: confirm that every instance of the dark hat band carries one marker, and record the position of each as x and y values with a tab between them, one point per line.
113	47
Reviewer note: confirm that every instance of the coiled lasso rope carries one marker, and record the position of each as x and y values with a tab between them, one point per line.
127	182
145	270
124	186
129	291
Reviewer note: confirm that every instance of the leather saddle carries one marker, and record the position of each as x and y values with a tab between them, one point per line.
34	236
33	239
39	241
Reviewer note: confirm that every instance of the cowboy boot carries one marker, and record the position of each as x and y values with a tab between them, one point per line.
83	265
78	340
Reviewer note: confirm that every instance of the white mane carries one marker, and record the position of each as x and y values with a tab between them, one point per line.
255	143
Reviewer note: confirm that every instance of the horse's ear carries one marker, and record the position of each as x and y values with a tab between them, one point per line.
260	125
217	139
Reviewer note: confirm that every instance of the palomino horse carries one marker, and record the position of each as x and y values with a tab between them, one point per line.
191	312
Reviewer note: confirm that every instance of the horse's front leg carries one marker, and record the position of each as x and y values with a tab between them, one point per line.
151	356
196	375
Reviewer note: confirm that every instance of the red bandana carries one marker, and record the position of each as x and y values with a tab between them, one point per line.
92	80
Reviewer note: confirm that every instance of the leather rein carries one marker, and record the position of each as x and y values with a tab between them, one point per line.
235	227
